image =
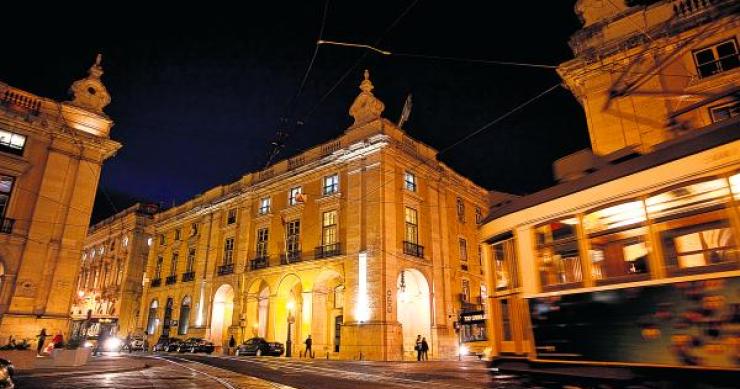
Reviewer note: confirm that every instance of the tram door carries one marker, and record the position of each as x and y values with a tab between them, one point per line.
337	332
510	329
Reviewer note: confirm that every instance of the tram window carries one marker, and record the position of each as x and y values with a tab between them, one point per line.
689	198
557	252
619	254
505	264
474	332
505	320
735	184
699	243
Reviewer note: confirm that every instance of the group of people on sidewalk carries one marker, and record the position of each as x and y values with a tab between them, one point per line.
422	349
56	342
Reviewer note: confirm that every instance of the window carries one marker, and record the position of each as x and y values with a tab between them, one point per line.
329	228
124	242
505	320
725	112
190	265
112	245
162	239
557	252
505	264
293	236
694	228
460	210
409	181
339	297
231	217
616	237
228	251
716	59
158	268
478	216
173	264
12	143
465	294
194	229
480	256
331	184
463	250
411	233
262	237
6	185
294	196
177	234
151	325
264	207
184	322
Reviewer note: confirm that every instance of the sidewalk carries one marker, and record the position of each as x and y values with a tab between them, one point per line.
95	365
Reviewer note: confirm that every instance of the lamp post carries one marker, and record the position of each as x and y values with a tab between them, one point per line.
291	320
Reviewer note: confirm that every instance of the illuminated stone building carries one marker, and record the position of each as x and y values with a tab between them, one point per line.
615	264
363	242
108	288
51	154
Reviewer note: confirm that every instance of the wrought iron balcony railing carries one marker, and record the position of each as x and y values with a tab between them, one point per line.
189	276
6	226
328	250
290	257
226	269
170	279
414	249
259	263
156	282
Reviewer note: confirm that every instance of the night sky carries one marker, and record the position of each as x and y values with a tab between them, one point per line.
198	95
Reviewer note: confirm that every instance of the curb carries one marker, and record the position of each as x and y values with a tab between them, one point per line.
81	373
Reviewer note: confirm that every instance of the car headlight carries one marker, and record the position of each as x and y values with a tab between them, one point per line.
112	344
88	343
464	350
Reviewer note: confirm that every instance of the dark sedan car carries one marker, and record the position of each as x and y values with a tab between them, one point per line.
196	345
173	345
259	346
162	343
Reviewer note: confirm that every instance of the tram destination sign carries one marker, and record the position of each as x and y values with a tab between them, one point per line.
472	317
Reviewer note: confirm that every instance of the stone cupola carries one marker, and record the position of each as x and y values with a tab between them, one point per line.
366	107
90	93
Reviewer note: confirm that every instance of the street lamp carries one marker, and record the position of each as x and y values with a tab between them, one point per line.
291	320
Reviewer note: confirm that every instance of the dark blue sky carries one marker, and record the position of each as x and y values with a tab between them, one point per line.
198	94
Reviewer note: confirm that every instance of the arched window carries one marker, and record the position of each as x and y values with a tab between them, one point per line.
151	325
184	322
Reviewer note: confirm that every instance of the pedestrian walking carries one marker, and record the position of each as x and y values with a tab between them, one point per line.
232	344
309	342
424	349
417	347
42	340
127	342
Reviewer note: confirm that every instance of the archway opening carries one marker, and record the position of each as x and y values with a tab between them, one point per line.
289	312
413	309
151	323
222	313
327	311
184	321
263	310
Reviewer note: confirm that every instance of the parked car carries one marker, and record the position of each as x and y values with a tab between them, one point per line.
174	345
7	370
137	343
259	346
196	345
162	343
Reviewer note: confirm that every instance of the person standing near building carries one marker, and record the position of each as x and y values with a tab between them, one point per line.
42	340
232	344
309	342
417	347
424	349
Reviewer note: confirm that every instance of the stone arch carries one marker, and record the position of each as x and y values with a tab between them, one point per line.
258	308
288	312
183	323
327	310
413	308
152	319
222	311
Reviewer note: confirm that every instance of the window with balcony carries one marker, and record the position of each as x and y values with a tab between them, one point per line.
6	186
231	216
173	264
329	242
505	264
264	206
194	229
158	268
725	112
616	236
293	240
228	251
190	265
294	196
411	244
717	58
465	293
460	210
694	227
478	216
557	253
162	239
463	249
331	184
12	143
263	234
177	234
409	181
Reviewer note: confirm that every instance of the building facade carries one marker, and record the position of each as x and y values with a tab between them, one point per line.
632	260
51	154
109	284
363	242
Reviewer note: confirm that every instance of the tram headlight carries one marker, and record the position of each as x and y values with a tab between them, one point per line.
112	344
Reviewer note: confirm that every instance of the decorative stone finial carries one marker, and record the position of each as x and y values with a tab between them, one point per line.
90	93
366	106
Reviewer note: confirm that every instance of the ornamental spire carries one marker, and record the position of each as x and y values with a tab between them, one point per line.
366	106
90	93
